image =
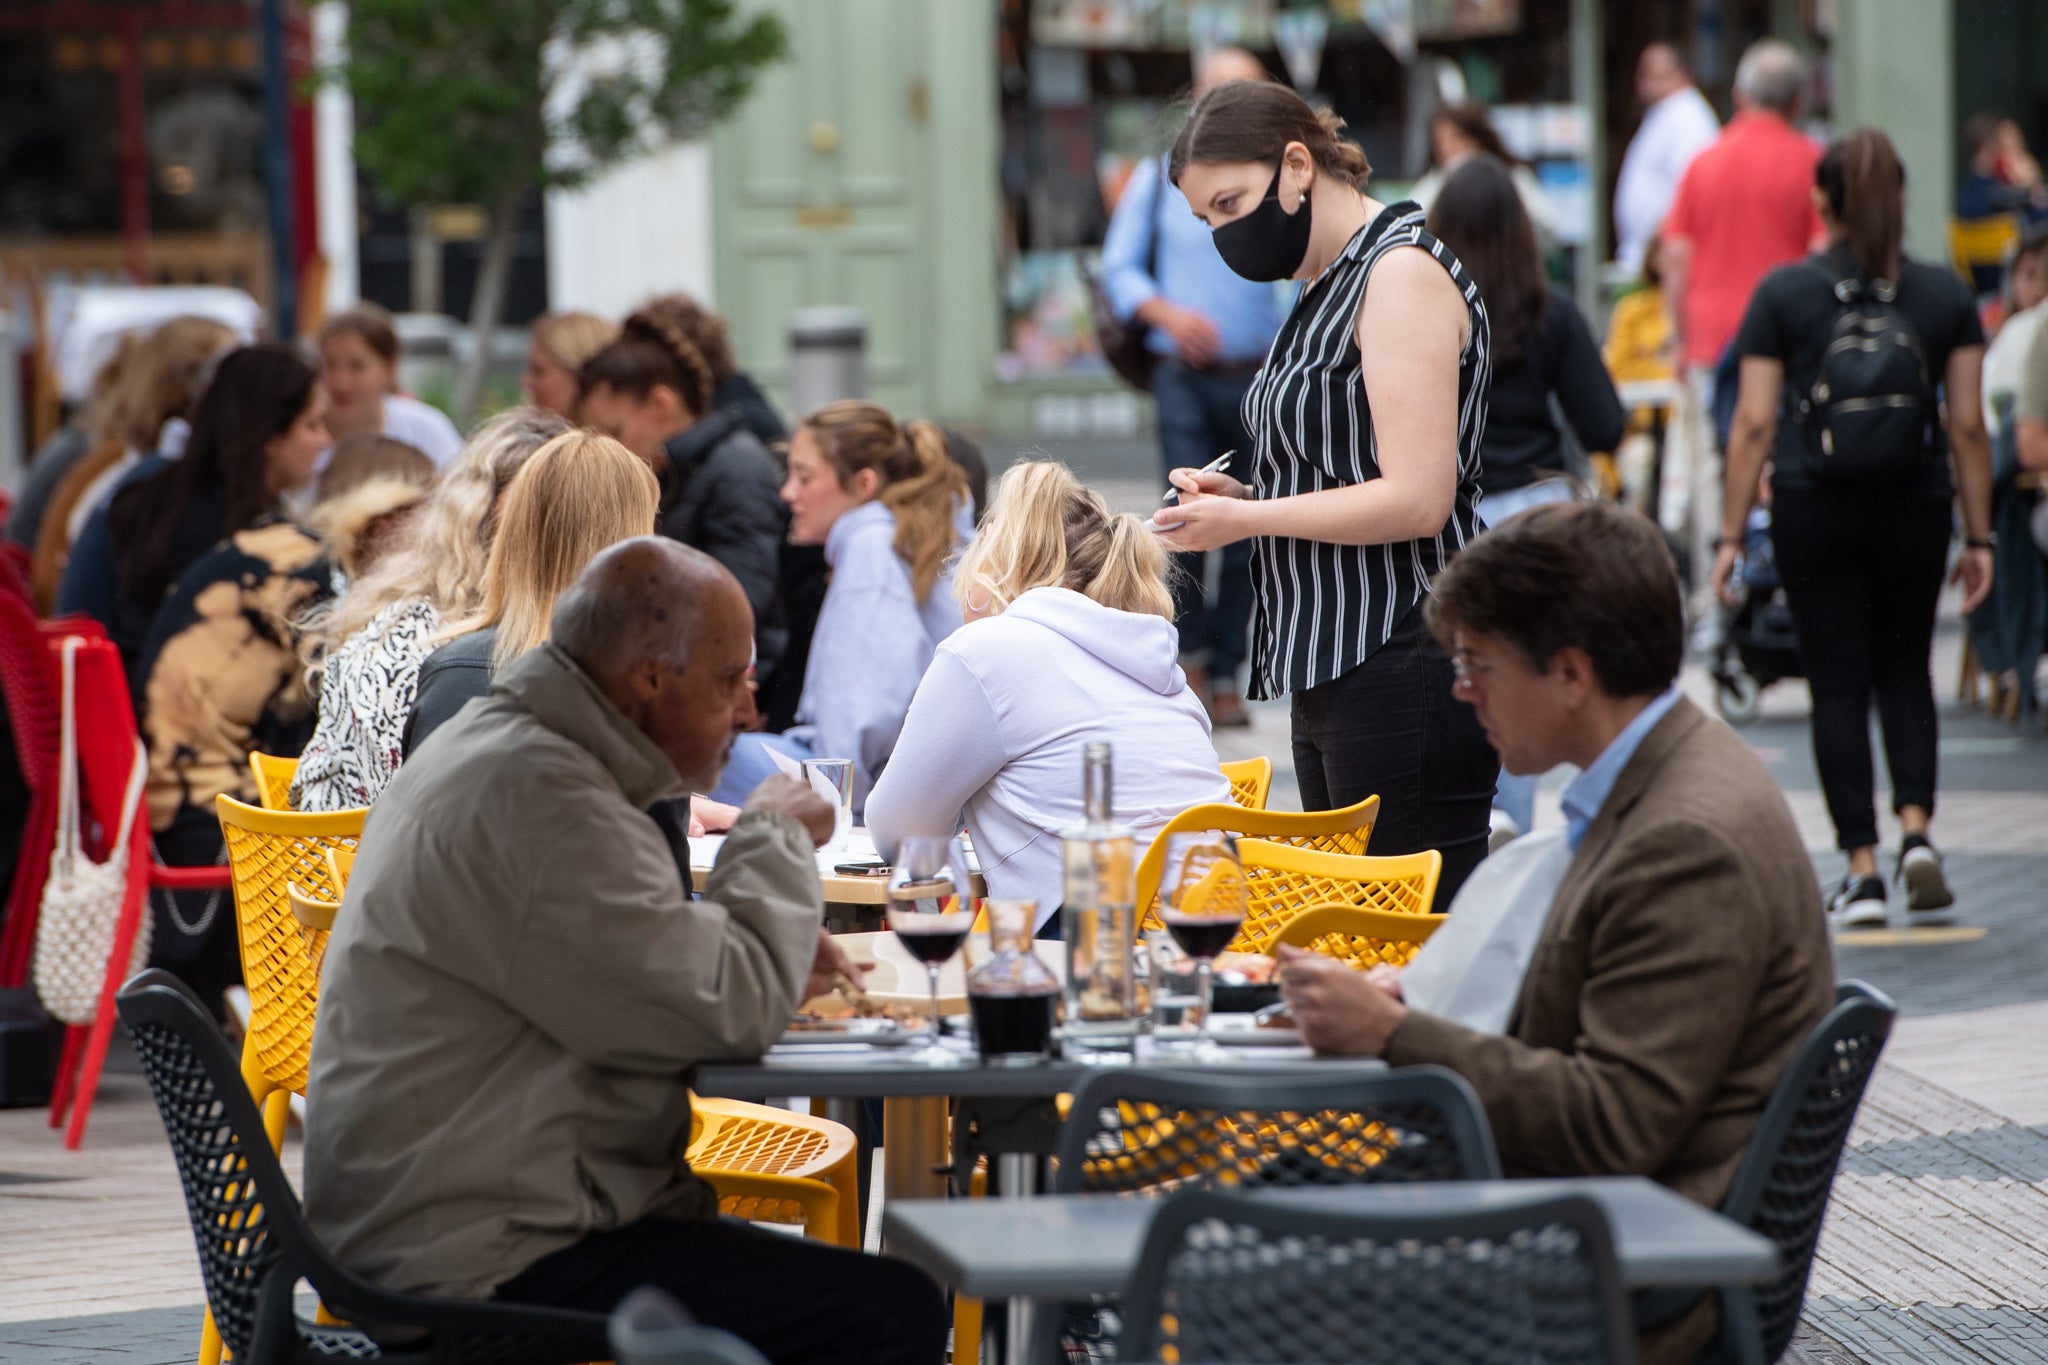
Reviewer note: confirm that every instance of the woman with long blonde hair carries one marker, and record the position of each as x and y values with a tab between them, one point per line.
1069	639
888	505
578	494
365	651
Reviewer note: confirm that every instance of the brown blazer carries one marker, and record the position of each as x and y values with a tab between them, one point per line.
1684	960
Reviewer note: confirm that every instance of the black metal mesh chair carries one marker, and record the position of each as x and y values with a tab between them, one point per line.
1157	1131
1252	1278
1782	1185
254	1245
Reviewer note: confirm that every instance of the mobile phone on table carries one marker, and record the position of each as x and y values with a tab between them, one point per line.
862	867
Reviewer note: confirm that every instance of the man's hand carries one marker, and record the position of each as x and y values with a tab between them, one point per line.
782	794
710	817
830	964
1195	338
1340	1012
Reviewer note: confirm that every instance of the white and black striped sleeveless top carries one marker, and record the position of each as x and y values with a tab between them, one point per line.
1321	610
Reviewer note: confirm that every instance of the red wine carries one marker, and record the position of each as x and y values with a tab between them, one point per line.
1202	935
1012	1024
930	938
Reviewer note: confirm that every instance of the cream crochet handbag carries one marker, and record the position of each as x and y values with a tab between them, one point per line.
82	899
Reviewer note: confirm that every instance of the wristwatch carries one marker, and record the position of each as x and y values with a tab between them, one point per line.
1989	542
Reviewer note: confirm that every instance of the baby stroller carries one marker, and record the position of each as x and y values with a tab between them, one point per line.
1758	644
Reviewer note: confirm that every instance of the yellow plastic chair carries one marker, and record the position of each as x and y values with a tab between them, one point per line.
273	779
1974	242
1284	881
1250	781
772	1166
1359	937
1334	831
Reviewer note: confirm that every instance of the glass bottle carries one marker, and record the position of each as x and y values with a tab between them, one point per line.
1098	918
1011	995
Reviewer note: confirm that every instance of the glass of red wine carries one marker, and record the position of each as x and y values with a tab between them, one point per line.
1202	898
931	910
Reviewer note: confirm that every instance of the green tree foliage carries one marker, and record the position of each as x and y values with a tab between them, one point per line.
480	101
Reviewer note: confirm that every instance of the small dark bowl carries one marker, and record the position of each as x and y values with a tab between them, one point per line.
1243	998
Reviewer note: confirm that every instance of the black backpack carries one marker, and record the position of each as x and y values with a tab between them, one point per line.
1870	415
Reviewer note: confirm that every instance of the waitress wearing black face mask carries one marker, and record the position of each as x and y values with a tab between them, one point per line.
1365	422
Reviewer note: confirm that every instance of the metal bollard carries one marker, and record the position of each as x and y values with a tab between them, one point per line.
13	417
827	357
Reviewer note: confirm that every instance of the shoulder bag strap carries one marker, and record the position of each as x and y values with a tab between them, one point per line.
1152	238
67	761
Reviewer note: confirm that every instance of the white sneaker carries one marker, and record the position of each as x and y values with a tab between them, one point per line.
1501	829
1858	903
1927	892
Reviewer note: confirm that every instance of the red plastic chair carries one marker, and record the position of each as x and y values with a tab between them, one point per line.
106	750
28	683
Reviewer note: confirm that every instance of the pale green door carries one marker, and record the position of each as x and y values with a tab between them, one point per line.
829	183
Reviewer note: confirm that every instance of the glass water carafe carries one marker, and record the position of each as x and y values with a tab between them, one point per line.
1100	1010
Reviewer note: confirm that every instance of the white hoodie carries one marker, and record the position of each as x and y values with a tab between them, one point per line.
999	722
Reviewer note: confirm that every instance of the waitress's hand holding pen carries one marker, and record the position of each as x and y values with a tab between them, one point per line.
1210	481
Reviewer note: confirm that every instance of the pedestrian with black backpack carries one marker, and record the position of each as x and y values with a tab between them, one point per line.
1861	380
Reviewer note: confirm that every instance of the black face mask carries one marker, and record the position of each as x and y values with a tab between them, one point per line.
1269	243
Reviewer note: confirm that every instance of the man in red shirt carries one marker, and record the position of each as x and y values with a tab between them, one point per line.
1744	205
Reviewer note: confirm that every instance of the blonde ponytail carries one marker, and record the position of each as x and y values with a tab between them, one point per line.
920	484
1045	528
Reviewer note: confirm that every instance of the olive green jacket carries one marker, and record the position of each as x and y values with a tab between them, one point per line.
517	988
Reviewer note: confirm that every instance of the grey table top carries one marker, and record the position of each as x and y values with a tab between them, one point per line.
841	1071
1070	1246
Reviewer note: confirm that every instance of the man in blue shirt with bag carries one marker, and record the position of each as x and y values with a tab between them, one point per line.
1209	329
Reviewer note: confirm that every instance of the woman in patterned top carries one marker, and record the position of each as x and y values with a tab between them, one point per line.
1365	423
366	650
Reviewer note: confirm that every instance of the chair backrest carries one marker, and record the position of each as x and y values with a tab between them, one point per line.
1152	1131
1782	1185
268	852
650	1328
1357	936
1974	242
1334	831
245	1216
1246	1277
273	779
1251	779
341	861
1284	881
29	688
254	1243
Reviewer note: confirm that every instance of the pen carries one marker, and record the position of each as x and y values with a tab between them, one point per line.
1215	466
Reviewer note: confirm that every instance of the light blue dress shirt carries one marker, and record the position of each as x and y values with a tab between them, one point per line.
1585	794
1186	269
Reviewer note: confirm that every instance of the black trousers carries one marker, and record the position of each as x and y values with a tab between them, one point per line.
1862	570
793	1299
1391	727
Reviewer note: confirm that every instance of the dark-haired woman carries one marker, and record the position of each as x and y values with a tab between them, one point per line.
1542	350
1365	425
1861	533
220	674
651	390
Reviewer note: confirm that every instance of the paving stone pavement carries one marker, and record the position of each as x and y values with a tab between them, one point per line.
1935	1249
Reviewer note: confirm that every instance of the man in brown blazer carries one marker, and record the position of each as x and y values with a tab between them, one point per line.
1686	954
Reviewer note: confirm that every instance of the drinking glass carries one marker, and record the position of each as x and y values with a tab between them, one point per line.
832	778
931	910
1202	894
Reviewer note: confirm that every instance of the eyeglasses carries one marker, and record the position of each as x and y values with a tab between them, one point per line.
1466	672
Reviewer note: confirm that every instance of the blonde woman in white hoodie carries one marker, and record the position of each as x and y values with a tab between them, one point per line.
1069	638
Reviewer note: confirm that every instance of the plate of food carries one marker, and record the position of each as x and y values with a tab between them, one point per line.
1242	982
1267	1028
850	1015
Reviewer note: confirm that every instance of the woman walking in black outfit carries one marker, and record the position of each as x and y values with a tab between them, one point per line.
1860	498
1365	426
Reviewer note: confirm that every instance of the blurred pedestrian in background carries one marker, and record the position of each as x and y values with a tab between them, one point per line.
561	342
1209	329
1861	493
1543	354
1678	124
359	370
1458	132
